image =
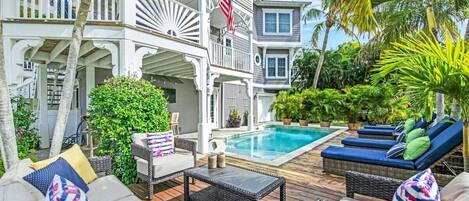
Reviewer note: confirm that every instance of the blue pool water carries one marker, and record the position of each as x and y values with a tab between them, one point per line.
274	141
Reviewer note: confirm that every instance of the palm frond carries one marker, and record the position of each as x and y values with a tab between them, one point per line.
318	28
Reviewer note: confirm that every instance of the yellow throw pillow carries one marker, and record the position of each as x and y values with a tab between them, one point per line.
75	157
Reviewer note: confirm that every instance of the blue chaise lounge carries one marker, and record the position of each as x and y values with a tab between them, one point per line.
387	144
338	160
387	134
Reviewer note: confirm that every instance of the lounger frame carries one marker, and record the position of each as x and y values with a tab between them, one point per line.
339	167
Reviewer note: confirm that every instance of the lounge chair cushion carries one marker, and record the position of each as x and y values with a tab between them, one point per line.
414	134
441	145
374	157
370	143
383	132
388	127
433	131
416	148
409	125
107	188
422	123
421	186
458	186
396	151
164	166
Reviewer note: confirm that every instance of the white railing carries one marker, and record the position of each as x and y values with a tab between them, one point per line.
229	57
169	17
100	10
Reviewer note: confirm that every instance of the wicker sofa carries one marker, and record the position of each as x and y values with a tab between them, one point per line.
105	188
385	187
155	170
338	160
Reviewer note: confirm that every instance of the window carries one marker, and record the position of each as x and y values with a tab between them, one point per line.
228	42
170	95
257	59
277	21
277	66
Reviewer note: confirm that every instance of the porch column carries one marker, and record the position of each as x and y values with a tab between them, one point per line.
43	106
90	82
204	23
200	82
250	92
128	10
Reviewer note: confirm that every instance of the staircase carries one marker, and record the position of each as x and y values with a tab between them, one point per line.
55	79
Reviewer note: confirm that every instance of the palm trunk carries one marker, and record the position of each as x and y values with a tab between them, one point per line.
321	57
456	109
465	145
69	80
7	127
440	106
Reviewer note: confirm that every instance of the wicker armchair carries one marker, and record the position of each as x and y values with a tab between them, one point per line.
168	167
370	185
101	165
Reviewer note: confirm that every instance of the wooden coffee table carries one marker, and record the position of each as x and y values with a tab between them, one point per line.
232	183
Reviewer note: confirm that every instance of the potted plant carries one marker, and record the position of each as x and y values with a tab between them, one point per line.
352	105
245	118
281	108
234	119
328	104
294	106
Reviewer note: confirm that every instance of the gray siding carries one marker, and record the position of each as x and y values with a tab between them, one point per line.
259	71
234	97
259	26
246	4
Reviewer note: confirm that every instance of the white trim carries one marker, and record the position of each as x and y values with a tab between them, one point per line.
271	86
277	45
277	12
276	57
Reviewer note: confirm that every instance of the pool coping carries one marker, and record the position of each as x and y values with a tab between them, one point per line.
287	157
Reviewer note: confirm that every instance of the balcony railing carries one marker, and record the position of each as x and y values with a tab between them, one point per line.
100	10
230	57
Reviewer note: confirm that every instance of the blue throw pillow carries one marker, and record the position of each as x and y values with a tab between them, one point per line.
41	179
401	137
396	151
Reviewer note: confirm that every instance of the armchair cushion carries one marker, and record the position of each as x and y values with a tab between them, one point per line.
458	187
166	165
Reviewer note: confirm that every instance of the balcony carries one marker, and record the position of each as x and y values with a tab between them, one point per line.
228	57
168	17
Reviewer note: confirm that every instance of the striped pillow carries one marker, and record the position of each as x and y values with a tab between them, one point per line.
396	151
162	144
401	137
421	187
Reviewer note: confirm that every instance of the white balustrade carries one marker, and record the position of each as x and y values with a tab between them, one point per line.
100	10
229	57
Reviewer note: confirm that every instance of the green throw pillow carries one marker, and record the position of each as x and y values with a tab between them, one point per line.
416	148
414	134
409	125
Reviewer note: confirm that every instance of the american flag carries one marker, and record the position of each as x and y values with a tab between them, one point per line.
226	7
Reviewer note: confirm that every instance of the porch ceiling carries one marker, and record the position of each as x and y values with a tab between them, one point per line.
168	63
56	51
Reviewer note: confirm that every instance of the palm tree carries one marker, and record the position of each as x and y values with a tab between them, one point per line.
424	66
330	9
69	80
7	128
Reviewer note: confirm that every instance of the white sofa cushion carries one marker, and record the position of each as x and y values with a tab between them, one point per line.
107	188
458	187
16	191
166	165
15	175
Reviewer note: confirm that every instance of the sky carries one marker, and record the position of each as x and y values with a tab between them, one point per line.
336	37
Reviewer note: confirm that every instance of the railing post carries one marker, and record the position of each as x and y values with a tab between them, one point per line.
128	11
8	9
204	23
250	52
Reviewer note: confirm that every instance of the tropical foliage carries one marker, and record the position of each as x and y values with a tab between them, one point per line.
341	68
120	108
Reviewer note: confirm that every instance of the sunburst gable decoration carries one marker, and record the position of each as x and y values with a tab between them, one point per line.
169	17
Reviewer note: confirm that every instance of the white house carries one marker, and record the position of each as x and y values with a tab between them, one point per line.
179	45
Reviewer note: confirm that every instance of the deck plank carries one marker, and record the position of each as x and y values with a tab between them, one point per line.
305	179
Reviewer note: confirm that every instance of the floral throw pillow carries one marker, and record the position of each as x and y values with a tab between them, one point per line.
420	187
62	189
162	144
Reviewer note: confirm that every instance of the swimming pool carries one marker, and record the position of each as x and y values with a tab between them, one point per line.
276	145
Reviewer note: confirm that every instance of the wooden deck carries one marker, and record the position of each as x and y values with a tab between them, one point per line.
305	179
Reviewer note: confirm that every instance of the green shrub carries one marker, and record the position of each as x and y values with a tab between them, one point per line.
119	108
27	138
